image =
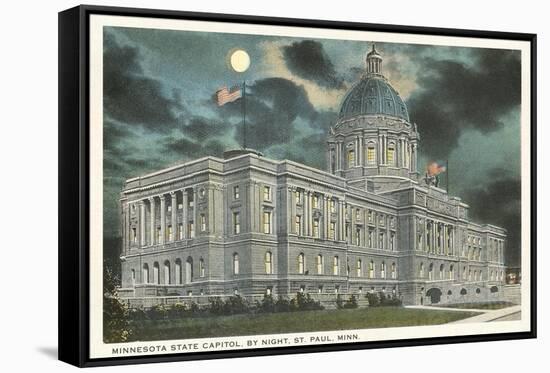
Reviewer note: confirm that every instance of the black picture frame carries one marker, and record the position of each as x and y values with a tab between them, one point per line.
74	182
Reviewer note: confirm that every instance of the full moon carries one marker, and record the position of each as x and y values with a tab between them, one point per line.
240	60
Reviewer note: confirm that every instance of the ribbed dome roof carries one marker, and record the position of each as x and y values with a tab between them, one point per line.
373	95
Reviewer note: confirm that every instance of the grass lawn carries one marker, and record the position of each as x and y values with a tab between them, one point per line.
292	322
481	306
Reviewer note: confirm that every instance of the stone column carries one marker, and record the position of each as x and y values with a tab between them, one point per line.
184	210
141	229
414	240
196	221
174	219
293	214
153	225
162	219
339	220
325	217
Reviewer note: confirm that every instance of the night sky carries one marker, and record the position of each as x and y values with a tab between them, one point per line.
159	108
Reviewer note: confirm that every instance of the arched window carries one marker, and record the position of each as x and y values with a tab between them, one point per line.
393	271
431	272
167	272
421	270
371	154
235	264
351	158
145	273
335	266
451	272
390	157
301	263
156	273
319	264
464	273
178	273
202	269
133	277
359	268
442	272
268	262
371	269
189	270
383	270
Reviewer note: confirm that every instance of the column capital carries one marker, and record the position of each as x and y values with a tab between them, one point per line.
162	197
151	199
173	193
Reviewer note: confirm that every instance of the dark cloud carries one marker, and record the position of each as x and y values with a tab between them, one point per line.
272	106
498	202
131	96
453	97
308	59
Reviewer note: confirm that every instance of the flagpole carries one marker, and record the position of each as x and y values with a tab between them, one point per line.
447	175
244	114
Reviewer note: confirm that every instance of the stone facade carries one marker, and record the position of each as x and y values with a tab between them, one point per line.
251	225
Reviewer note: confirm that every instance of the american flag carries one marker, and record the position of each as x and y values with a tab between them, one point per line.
224	95
435	169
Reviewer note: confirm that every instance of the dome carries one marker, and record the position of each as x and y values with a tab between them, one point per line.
373	95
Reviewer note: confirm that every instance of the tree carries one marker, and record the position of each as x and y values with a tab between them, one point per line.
116	326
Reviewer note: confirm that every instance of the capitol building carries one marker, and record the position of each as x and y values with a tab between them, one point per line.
373	220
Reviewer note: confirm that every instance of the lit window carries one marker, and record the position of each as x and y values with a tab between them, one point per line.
180	231
381	241
267	193
371	155
170	233
421	270
359	268
145	273
371	216
298	197
392	241
451	272
268	261
235	264
301	263
332	230
441	272
167	273
191	230
236	223
335	266
332	205
201	268
383	270
298	225
371	269
169	208
268	291
236	194
267	222
358	237
431	272
203	223
319	264
351	158
371	237
159	235
391	155
134	235
315	202
316	228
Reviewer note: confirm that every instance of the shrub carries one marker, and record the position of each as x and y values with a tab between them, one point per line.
236	304
266	305
351	302
282	304
216	306
374	300
339	303
158	312
305	303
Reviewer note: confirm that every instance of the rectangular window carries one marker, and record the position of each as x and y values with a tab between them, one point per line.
180	206
169	208
332	206
267	193
191	230
316	233
357	214
381	241
371	216
267	222
319	265
335	266
158	235
391	156
236	223
315	202
358	237
298	225
203	223
190	202
170	233
236	194
371	155
298	197
180	231
134	235
332	230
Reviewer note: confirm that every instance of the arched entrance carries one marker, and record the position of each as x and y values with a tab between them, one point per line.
434	294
